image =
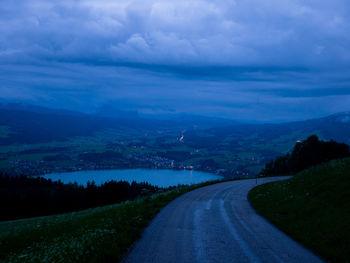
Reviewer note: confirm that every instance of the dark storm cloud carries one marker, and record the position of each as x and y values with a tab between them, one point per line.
242	59
288	32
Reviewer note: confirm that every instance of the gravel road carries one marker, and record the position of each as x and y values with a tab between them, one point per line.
216	223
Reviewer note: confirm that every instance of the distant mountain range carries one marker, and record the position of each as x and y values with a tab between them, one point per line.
36	140
336	127
34	124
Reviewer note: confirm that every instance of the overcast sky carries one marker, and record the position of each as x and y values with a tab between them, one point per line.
266	60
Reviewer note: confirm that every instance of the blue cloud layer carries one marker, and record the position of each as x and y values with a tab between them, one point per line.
245	59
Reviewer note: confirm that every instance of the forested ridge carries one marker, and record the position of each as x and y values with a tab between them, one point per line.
305	154
23	196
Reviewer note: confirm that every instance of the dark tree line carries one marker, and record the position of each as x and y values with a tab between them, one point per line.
305	154
22	196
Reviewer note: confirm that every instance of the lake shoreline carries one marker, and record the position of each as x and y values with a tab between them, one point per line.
157	177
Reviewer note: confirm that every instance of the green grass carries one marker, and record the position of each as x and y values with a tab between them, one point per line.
101	234
313	207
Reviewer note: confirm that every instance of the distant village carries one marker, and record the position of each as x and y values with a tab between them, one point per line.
132	160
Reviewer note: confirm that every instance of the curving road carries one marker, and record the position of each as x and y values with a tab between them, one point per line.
216	224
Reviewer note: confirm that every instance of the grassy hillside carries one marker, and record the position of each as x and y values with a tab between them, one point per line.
95	235
313	207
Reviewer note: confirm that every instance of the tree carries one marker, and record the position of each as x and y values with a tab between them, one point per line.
308	153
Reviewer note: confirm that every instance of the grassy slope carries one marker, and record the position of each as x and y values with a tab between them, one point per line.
95	235
313	207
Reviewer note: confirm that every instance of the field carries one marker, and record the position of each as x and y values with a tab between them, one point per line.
313	207
231	156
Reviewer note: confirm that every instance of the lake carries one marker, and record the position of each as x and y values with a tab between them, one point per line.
158	177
